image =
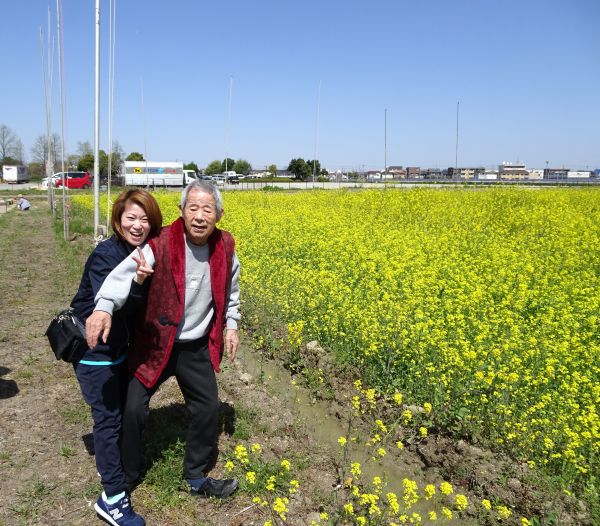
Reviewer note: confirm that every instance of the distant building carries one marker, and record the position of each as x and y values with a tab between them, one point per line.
431	173
413	172
397	172
465	173
579	174
536	174
488	175
512	172
555	173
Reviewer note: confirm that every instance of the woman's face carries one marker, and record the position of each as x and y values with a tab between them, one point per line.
135	224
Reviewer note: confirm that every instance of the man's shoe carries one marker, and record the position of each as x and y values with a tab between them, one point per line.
221	489
118	514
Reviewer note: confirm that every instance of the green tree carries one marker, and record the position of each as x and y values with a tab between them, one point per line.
272	170
227	165
300	169
35	170
191	166
86	163
241	166
135	156
213	168
316	168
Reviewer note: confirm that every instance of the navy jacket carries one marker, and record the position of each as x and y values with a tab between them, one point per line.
105	257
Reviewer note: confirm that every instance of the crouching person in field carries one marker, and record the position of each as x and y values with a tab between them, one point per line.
192	299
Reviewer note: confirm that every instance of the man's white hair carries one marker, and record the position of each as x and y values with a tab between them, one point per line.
207	187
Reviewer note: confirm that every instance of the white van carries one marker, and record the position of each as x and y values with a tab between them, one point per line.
15	174
190	175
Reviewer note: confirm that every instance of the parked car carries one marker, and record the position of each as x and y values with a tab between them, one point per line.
45	181
74	180
219	180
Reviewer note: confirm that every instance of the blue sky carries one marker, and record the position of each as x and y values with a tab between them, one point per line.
526	73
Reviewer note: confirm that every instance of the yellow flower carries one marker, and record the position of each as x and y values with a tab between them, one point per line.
432	516
361	521
285	464
342	441
427	407
381	452
503	512
294	485
447	513
255	448
446	488
270	486
486	504
279	506
381	426
251	477
398	398
429	491
324	516
349	509
461	502
229	465
423	431
399	444
355	469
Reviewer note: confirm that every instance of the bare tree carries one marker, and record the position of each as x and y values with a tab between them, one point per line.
84	148
40	149
10	145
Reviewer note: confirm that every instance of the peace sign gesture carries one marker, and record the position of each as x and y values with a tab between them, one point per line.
143	269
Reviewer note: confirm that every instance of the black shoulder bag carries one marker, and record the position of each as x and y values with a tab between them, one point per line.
66	335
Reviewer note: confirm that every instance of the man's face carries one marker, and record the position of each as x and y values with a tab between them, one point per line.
199	216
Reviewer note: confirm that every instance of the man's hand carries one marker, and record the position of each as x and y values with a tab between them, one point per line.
232	341
143	269
98	324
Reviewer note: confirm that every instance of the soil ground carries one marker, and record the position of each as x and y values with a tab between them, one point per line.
47	470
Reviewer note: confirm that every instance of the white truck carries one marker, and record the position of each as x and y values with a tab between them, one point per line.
15	174
142	173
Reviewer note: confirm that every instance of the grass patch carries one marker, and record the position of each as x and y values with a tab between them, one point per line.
76	414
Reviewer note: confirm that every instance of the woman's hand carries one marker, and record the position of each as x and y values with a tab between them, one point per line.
143	269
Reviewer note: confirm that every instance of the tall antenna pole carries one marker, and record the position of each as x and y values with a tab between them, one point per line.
385	141
456	151
46	79
97	127
228	125
62	120
317	131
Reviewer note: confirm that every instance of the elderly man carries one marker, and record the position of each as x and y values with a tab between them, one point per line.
192	296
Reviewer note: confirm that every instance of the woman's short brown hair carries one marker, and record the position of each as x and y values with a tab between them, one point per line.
140	198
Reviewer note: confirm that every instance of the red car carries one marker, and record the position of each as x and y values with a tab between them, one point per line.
74	180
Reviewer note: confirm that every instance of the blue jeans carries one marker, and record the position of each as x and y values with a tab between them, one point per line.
103	388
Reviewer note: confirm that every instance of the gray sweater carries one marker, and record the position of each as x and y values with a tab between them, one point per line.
199	306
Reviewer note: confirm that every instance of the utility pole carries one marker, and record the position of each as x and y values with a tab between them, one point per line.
385	141
456	152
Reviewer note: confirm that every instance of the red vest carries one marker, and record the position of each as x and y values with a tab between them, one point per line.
155	331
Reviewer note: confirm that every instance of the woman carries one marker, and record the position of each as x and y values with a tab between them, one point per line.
102	371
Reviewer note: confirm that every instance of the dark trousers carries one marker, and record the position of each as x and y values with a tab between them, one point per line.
190	364
103	388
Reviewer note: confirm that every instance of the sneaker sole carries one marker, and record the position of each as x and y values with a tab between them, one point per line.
104	516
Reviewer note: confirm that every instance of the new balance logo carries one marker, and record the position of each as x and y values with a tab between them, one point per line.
116	513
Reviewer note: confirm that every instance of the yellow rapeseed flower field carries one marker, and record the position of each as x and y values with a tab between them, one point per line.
484	303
